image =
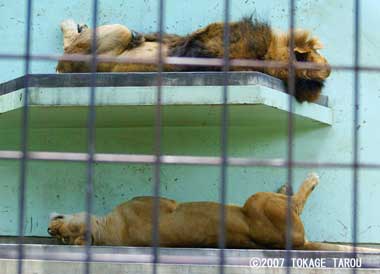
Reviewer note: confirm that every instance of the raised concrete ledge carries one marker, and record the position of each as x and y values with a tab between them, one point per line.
128	100
139	79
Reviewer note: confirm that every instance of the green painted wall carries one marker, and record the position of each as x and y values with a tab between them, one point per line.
60	187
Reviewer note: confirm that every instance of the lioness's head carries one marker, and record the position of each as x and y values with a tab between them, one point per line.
305	50
69	229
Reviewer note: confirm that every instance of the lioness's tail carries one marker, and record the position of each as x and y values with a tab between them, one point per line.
336	247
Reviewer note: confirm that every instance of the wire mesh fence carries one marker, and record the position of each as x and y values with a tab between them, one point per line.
158	159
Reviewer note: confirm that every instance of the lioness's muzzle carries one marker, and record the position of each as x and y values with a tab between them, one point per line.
50	232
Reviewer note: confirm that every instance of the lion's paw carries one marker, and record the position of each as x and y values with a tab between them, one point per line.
69	25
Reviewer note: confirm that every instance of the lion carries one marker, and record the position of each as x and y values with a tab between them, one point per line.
259	223
249	39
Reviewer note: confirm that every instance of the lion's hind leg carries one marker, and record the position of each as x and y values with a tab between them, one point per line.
111	40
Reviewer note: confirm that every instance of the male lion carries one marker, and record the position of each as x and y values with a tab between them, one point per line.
249	39
260	223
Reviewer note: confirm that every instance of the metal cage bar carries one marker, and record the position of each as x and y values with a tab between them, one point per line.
355	143
91	139
224	136
24	141
176	159
157	143
291	91
187	61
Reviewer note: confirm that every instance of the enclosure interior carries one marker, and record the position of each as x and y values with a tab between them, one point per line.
191	126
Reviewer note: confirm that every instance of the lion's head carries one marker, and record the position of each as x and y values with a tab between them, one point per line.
305	50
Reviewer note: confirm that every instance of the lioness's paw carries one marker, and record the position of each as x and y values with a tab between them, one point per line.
313	179
69	25
313	176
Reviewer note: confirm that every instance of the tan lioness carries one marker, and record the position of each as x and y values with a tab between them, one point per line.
249	39
260	223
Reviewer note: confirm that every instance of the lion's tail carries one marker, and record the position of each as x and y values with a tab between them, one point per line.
336	247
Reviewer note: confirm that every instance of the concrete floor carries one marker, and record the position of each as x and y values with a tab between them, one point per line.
52	259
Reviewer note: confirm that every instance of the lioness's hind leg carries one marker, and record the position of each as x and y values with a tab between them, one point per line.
299	199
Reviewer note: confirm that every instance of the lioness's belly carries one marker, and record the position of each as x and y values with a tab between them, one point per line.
197	224
193	224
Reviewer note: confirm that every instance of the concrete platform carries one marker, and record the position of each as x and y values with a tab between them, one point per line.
128	100
39	267
50	259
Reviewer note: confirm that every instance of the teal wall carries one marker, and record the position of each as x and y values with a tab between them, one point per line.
59	187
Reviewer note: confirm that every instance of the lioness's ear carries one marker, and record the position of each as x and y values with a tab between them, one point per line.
55	216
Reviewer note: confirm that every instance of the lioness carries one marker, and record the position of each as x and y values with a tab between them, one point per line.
249	39
260	223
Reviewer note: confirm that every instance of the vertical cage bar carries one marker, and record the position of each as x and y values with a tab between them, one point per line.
224	135
157	145
355	181
291	91
91	139
24	140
